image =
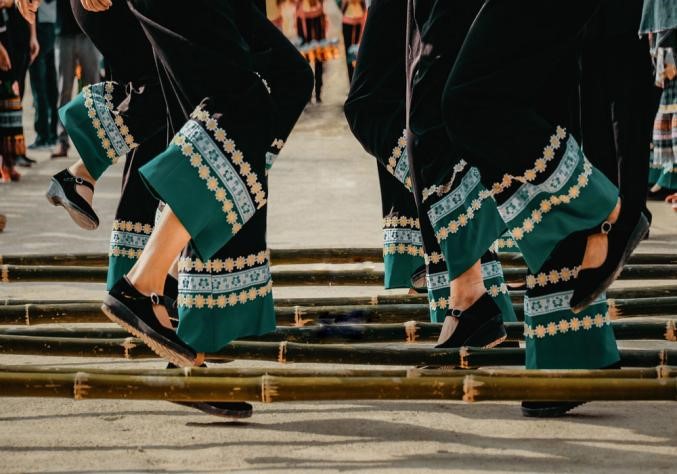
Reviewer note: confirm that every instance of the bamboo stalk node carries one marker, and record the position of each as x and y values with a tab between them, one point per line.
470	388
374	300
663	372
80	386
28	316
299	322
282	353
614	311
413	372
663	357
4	270
411	329
128	344
268	388
670	331
463	354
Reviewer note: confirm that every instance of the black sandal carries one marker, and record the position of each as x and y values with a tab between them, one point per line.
236	410
481	325
623	237
124	305
62	193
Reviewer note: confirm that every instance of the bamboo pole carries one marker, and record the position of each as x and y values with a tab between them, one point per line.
411	331
659	372
516	295
363	354
296	256
268	389
477	389
30	314
368	277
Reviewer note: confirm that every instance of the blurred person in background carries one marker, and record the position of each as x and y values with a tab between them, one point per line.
311	25
19	48
354	18
73	49
43	78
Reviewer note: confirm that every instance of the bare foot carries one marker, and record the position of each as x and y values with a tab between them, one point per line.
597	246
79	170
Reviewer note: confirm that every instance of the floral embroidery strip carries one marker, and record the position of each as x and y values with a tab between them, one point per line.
433	258
398	162
129	226
539	166
401	221
125	252
224	283
402	236
552	277
192	137
402	249
220	135
128	240
223	301
109	125
492	270
187	264
437	281
574	324
451	202
519	201
547	205
506	243
441	190
463	219
547	304
445	303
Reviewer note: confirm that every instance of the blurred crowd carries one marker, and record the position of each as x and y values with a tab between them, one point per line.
60	59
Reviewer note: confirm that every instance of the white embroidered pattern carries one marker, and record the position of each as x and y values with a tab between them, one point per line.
574	324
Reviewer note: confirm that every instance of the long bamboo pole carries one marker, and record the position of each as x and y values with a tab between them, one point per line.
30	314
295	256
268	388
517	296
28	274
659	372
411	331
367	354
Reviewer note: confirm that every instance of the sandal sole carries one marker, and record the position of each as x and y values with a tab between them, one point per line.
154	343
56	196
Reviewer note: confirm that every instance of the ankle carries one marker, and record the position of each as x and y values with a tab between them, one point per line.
464	295
79	170
146	284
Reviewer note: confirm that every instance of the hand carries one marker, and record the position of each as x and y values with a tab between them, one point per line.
96	5
5	63
27	8
34	48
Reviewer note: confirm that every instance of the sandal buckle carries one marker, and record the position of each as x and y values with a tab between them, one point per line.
155	299
606	227
456	313
79	180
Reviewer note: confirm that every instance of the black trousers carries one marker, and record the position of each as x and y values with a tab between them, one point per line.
492	102
619	101
44	83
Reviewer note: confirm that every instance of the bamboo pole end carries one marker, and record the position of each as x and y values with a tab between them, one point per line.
410	331
128	344
269	389
471	388
282	353
670	331
80	386
463	354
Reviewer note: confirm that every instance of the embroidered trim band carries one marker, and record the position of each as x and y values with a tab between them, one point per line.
564	326
441	190
219	265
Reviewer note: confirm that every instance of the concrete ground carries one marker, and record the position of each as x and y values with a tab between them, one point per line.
324	192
